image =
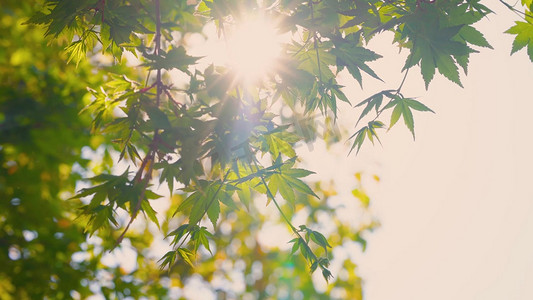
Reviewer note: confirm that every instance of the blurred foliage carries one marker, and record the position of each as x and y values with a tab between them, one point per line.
208	160
41	140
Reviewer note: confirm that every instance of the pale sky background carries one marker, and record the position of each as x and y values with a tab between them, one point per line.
456	205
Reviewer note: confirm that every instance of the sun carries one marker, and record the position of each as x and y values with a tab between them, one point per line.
254	47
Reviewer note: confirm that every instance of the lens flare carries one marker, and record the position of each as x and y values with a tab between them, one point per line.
254	47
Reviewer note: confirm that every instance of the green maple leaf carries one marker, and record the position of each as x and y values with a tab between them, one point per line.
403	107
368	131
354	58
316	61
441	42
213	211
524	37
473	36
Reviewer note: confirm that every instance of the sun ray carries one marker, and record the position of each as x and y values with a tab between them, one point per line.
254	47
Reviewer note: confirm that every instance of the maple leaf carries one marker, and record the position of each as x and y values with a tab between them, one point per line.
524	37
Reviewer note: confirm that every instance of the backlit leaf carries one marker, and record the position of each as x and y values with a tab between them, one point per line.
523	38
213	211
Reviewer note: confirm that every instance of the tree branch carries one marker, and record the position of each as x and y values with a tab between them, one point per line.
149	159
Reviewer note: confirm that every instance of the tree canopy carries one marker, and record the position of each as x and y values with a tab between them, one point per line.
115	135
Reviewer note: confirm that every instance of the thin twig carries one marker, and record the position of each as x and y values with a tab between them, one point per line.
315	41
144	182
519	13
150	156
285	218
398	89
403	80
157	49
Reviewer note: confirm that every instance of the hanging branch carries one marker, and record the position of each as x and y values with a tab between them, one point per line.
149	159
315	259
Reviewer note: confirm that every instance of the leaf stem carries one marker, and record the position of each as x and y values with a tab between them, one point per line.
157	49
403	80
519	13
315	41
285	218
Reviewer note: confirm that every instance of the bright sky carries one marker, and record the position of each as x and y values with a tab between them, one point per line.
456	206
